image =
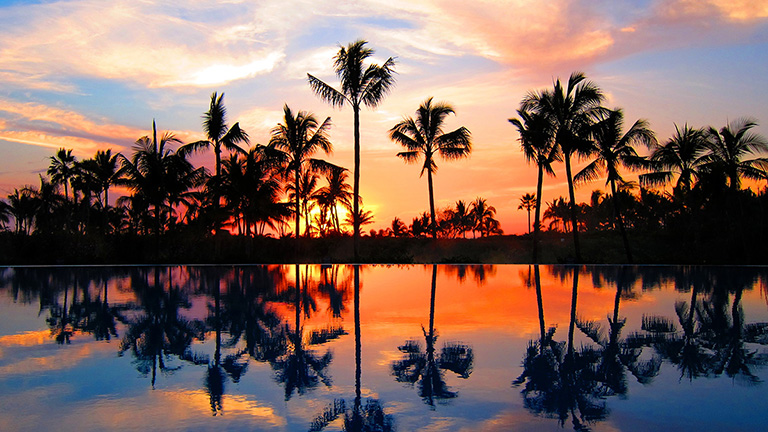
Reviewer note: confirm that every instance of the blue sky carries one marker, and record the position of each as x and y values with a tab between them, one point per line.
91	74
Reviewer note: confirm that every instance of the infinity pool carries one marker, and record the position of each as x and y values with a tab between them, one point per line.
380	348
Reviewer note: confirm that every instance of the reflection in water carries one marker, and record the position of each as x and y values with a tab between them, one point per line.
713	337
158	331
421	367
256	342
360	418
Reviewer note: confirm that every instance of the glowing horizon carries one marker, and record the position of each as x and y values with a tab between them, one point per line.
92	75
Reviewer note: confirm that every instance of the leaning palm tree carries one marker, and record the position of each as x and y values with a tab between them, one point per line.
730	145
538	145
527	203
568	109
424	137
614	148
295	141
683	155
62	169
359	86
217	133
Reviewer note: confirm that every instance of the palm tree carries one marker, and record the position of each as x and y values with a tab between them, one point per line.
160	175
398	228
527	202
23	207
336	192
683	155
297	139
568	110
104	169
463	218
538	145
482	214
62	169
424	137
613	148
305	188
730	145
217	132
5	214
359	86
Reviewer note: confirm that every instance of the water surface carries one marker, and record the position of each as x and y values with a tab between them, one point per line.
439	348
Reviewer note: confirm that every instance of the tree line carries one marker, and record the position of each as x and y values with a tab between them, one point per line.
261	189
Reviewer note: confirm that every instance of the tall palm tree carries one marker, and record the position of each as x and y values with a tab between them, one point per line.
360	85
569	110
424	137
218	133
683	155
730	145
297	139
159	174
62	169
527	202
538	145
612	149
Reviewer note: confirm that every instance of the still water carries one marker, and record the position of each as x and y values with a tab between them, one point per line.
380	348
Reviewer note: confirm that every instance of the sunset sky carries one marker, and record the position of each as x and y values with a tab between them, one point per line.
92	74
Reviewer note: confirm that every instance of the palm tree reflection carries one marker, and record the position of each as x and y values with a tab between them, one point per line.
360	418
423	368
299	368
159	332
558	380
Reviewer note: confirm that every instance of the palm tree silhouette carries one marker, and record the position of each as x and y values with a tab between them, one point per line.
424	137
683	155
730	145
62	169
483	214
568	110
538	145
217	132
360	85
527	202
613	148
297	139
423	367
336	192
162	177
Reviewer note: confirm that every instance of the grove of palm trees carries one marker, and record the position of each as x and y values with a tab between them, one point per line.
689	198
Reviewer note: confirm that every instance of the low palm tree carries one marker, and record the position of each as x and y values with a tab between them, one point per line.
160	175
483	215
683	155
360	85
336	192
527	203
295	141
218	134
730	146
613	148
538	144
104	169
424	138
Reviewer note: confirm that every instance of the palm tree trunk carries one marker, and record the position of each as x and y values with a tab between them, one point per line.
358	346
572	196
356	192
431	204
298	215
537	215
620	222
540	305
217	152
431	334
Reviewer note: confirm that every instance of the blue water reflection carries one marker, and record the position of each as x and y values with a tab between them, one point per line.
381	348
